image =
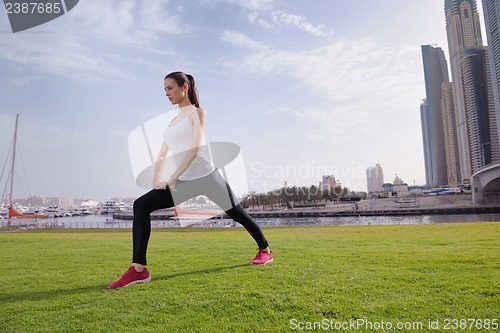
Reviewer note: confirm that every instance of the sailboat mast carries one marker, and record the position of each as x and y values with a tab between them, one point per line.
11	201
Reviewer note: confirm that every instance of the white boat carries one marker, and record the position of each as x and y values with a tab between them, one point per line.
54	211
4	212
110	207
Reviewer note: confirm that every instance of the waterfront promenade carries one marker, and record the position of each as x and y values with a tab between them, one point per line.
426	205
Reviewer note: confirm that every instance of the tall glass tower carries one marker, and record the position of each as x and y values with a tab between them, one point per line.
478	104
450	134
491	9
464	32
425	138
435	73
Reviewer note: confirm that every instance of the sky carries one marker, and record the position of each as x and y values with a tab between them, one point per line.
305	88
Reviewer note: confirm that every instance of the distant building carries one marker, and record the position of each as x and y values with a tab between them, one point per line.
397	180
399	189
375	179
327	183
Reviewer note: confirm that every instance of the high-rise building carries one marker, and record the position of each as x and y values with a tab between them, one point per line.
435	74
425	137
450	134
491	9
479	106
328	183
464	32
375	178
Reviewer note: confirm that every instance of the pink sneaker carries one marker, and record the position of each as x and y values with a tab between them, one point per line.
262	258
131	276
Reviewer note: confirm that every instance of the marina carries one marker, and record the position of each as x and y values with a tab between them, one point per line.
387	211
108	222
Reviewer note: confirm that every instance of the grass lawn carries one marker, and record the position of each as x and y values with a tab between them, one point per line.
419	276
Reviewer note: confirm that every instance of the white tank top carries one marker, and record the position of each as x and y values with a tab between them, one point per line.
178	138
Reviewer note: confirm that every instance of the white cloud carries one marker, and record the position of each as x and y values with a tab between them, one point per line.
246	4
255	19
57	54
361	86
128	21
239	39
299	22
341	71
87	45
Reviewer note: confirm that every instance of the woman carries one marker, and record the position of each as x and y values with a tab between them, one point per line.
194	175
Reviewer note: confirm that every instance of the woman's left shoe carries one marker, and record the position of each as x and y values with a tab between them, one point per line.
131	276
262	258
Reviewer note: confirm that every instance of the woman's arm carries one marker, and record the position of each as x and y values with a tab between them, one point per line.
159	164
199	125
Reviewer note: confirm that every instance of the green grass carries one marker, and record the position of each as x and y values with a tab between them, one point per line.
55	280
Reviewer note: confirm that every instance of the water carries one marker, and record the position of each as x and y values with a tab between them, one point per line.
107	222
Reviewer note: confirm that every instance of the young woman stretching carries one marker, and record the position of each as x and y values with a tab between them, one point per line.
194	175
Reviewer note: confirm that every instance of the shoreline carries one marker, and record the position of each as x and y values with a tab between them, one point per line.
436	205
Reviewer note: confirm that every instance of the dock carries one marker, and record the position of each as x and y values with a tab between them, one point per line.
324	212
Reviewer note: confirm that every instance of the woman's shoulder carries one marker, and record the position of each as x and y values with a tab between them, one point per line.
202	113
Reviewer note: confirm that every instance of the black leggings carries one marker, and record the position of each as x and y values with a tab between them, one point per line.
213	186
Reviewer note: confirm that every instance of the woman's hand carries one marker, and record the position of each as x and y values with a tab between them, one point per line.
170	184
160	186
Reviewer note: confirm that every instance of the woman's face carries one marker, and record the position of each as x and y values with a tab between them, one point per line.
173	91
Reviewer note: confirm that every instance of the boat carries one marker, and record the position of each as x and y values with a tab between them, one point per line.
16	214
110	207
4	212
54	211
13	213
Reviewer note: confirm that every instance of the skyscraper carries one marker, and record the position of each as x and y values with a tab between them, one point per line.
425	138
375	178
450	134
491	9
435	73
479	106
464	32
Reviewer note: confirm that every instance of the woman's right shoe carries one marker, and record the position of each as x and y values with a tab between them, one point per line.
131	276
262	258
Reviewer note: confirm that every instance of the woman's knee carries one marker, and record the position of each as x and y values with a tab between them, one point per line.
141	205
238	214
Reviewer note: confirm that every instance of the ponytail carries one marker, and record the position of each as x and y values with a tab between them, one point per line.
193	91
182	78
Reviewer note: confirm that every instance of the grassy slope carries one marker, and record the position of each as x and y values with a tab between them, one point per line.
55	281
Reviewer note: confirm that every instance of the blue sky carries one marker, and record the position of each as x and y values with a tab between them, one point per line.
304	87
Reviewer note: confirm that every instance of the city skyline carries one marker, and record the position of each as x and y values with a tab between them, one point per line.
460	119
303	90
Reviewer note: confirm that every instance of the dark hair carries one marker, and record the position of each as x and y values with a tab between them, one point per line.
180	78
